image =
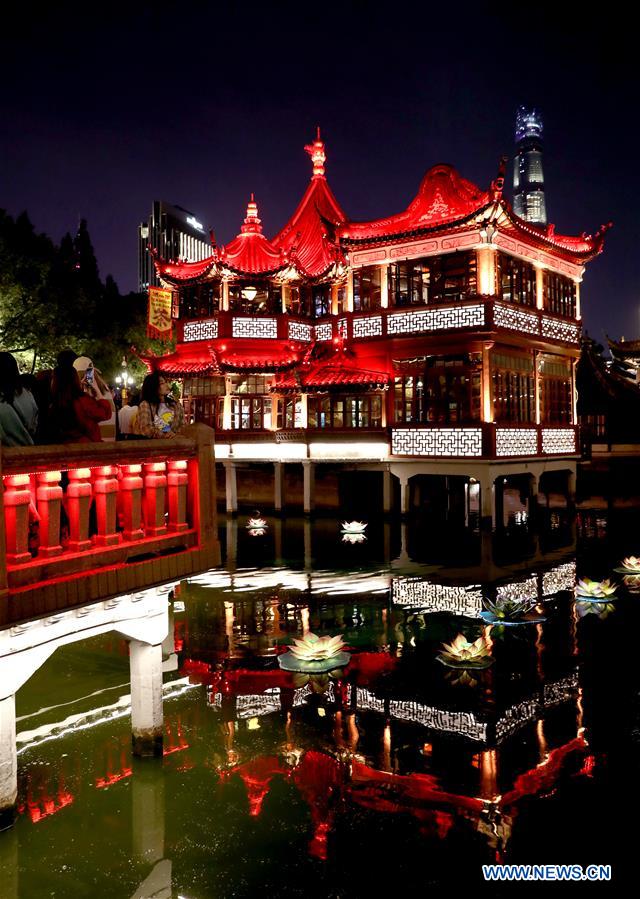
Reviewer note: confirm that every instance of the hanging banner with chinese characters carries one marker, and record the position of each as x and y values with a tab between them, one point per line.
159	321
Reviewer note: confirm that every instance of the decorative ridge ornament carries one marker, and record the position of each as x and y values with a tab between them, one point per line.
317	154
252	224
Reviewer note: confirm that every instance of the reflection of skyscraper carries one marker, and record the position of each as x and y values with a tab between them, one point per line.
528	177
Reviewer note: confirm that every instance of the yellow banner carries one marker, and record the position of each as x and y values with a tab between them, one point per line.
159	321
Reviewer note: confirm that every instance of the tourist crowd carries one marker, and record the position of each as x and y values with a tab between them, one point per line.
73	404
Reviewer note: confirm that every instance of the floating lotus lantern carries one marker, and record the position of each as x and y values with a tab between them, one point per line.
354	538
599	609
354	527
595	591
460	653
257	526
632	582
630	565
315	655
509	612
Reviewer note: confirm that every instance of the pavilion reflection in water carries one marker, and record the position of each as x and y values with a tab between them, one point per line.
387	725
394	733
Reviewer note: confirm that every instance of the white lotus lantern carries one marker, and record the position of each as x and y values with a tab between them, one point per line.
314	654
354	527
630	565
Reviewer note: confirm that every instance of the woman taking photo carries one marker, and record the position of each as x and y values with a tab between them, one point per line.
159	415
77	408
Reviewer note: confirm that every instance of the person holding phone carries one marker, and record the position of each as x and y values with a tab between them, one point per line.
77	408
91	377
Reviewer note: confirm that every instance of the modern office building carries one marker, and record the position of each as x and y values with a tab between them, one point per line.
528	176
174	233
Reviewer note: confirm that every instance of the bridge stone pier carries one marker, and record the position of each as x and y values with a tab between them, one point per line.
141	618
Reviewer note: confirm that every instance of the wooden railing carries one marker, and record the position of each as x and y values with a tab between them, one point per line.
85	521
475	314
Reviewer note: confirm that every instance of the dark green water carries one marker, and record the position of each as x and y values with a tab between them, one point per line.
397	774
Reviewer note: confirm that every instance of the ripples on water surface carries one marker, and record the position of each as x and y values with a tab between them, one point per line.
397	767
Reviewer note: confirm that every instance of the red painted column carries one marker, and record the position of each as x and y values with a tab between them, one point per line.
105	487
78	505
155	494
49	499
178	481
17	497
130	501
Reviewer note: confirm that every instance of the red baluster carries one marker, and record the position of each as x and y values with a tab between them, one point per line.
17	498
155	492
49	497
105	486
78	504
178	481
130	501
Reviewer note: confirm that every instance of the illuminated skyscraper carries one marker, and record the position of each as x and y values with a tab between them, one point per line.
175	233
528	177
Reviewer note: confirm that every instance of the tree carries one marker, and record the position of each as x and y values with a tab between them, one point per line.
51	298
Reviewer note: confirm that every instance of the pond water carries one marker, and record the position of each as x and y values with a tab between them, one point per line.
392	774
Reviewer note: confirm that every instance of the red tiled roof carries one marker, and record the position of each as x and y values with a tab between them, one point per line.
250	252
276	359
444	197
184	271
305	234
329	375
578	249
184	361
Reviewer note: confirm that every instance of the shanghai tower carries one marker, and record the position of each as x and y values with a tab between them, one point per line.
528	177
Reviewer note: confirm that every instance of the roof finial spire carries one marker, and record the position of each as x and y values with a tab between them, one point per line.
252	222
317	154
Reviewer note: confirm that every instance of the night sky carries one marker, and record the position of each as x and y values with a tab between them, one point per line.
201	103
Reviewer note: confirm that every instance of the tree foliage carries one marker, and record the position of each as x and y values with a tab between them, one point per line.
52	297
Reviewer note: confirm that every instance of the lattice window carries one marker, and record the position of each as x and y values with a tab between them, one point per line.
207	330
516	442
515	319
420	594
462	723
559	330
436	442
300	331
324	331
563	577
368	327
255	327
519	589
444	319
558	440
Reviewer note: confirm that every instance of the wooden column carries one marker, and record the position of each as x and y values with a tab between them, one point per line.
487	387
384	286
78	504
178	480
49	500
539	288
105	488
155	493
349	293
17	498
130	501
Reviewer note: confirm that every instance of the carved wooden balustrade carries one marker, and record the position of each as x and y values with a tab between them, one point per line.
92	520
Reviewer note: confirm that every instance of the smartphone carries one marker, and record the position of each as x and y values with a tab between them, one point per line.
88	376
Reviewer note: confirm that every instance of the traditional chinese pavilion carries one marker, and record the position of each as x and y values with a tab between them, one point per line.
438	340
